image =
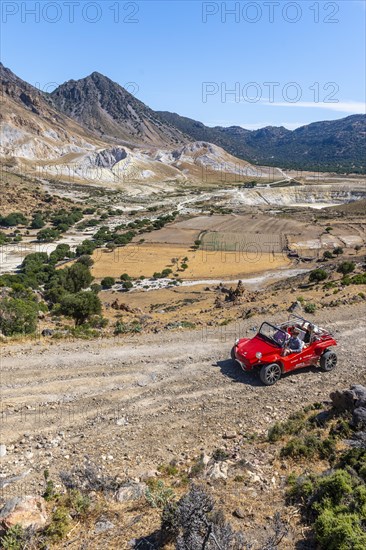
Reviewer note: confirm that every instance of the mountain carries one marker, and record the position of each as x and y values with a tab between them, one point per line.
31	129
41	140
111	112
336	145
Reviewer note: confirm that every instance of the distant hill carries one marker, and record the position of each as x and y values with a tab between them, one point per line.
108	110
337	145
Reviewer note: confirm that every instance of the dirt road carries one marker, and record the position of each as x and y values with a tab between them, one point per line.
133	404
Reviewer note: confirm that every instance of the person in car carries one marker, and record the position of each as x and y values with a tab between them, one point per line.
294	344
309	334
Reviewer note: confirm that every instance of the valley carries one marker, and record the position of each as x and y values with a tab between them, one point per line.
134	251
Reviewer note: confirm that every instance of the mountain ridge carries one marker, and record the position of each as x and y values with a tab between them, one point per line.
336	145
111	112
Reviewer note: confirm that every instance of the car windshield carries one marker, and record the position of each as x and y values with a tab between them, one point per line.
274	334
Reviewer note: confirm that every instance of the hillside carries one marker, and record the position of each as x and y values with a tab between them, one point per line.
108	110
336	145
31	129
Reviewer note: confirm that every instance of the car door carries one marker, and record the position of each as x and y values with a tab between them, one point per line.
301	359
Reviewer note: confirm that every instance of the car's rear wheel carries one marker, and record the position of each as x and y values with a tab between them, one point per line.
270	374
328	361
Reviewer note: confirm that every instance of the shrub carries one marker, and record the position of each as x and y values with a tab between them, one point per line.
318	275
158	495
107	282
346	267
13	538
18	316
127	285
310	308
59	526
327	255
338	250
37	222
125	277
193	523
13	219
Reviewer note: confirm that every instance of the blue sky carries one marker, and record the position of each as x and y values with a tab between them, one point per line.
224	63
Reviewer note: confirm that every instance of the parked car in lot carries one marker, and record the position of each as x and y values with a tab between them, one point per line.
269	353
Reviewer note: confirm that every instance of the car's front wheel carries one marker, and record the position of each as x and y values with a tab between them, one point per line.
233	357
270	374
328	361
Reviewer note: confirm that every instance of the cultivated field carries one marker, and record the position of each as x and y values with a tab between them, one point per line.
147	258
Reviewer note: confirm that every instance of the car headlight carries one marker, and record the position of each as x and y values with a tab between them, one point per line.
237	341
258	355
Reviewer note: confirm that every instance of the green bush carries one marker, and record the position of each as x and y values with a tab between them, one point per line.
37	222
318	275
310	308
158	495
48	235
18	316
107	282
13	219
13	539
346	267
127	285
338	250
327	255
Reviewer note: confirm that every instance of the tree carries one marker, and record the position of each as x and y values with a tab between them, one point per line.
81	306
107	282
327	255
346	267
127	285
85	259
61	252
18	316
125	277
37	222
16	218
86	247
75	277
318	275
338	250
47	235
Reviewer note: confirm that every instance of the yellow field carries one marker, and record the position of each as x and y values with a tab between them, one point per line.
148	258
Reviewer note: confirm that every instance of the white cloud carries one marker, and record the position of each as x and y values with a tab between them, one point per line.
351	107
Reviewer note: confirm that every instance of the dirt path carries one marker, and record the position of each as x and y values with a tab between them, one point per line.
134	404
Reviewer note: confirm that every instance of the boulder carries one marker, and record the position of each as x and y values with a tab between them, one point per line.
359	418
47	332
343	400
131	491
103	525
28	511
360	394
218	470
2	451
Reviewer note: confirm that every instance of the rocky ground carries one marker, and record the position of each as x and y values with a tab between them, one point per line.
134	403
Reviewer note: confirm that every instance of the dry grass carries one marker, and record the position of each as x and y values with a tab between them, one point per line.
147	258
